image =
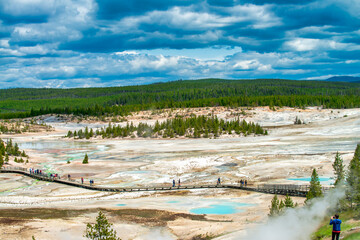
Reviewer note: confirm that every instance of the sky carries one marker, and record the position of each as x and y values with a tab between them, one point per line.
95	43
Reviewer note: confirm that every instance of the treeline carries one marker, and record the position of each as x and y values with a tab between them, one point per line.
190	89
192	127
337	102
20	103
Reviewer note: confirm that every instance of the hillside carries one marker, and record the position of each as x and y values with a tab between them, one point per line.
24	102
344	79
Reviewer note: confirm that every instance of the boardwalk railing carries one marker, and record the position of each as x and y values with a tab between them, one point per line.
280	189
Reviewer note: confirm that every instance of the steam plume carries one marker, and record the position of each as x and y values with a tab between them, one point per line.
299	223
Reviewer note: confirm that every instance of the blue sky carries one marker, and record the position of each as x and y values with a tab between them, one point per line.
88	43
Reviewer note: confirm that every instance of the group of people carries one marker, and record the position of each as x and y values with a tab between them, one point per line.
82	180
91	182
174	183
41	172
243	182
35	171
179	182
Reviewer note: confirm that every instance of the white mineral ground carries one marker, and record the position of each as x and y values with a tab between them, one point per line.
289	151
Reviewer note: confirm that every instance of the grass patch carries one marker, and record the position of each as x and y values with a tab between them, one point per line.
355	236
349	220
326	230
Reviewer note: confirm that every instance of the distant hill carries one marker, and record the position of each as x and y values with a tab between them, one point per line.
114	101
344	79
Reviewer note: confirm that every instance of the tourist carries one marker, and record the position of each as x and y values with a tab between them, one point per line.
173	183
179	183
218	181
336	222
245	183
82	180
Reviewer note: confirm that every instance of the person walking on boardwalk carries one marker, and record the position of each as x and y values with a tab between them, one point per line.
245	183
179	183
82	180
173	182
336	222
218	181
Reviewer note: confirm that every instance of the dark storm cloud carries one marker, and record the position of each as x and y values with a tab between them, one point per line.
15	11
110	9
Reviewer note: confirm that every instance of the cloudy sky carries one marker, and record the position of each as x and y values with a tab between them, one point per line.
81	43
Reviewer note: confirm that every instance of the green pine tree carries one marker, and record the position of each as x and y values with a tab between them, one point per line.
281	206
1	160
69	134
101	230
86	159
338	167
315	187
353	178
289	203
274	208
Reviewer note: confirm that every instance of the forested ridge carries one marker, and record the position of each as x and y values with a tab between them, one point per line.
21	102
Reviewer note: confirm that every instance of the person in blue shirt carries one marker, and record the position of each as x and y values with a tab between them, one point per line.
336	222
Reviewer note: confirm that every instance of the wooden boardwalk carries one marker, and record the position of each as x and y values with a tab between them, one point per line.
291	190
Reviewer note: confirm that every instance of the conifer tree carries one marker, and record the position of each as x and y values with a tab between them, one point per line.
1	160
101	230
86	159
69	134
353	177
315	187
289	203
274	208
338	167
16	151
281	206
